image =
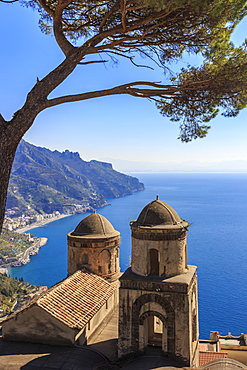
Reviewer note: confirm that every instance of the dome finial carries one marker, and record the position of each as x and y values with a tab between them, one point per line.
157	197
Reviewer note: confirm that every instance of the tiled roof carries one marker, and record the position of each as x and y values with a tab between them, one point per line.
207	356
75	300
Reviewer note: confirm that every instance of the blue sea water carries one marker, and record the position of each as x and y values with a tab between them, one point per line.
216	207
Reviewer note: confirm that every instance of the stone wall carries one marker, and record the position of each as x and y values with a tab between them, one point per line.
140	299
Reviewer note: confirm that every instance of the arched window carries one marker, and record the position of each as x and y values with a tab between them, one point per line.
85	259
154	262
105	262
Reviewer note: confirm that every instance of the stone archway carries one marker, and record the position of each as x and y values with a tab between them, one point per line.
153	330
138	321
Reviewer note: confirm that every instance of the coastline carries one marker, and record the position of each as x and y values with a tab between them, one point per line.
43	241
34	249
41	223
25	256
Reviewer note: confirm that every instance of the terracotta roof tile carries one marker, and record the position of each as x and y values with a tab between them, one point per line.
75	300
207	356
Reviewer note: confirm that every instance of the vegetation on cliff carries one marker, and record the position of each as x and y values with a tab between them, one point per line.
15	248
12	244
14	293
45	181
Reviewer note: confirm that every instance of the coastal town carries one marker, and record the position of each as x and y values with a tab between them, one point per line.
24	221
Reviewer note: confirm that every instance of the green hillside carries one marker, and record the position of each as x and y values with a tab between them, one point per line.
45	181
14	293
12	244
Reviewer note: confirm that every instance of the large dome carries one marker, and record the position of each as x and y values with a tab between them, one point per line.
158	213
95	225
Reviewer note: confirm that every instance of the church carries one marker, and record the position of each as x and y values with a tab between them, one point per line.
156	296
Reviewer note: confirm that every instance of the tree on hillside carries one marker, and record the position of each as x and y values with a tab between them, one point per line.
97	31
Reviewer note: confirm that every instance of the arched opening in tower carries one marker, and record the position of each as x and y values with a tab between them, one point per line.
85	259
154	262
104	262
153	331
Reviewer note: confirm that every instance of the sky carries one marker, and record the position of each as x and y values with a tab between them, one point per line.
109	128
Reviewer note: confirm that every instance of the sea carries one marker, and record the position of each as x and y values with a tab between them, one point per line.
215	204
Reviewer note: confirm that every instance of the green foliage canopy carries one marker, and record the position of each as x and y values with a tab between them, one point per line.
162	31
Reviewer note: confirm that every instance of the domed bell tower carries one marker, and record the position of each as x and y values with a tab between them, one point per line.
158	293
94	245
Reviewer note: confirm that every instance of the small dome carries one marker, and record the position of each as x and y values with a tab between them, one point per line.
95	225
158	213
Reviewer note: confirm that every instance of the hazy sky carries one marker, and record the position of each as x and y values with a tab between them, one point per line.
112	127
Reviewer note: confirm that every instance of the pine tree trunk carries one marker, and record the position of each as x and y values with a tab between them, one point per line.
11	133
7	153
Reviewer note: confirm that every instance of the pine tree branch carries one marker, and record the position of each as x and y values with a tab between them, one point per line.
130	89
62	41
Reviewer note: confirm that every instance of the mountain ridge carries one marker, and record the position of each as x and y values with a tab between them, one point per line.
44	181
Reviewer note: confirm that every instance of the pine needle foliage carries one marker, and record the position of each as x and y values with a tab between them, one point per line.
162	31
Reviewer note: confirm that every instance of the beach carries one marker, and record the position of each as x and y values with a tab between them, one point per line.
40	223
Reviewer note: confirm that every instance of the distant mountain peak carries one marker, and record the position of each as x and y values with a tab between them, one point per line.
71	155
